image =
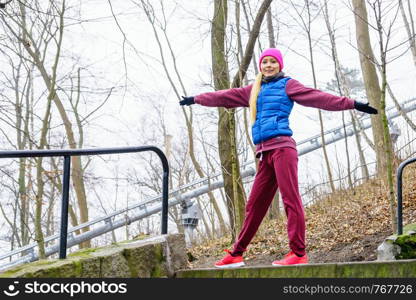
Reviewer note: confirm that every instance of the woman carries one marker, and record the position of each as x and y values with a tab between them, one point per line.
271	98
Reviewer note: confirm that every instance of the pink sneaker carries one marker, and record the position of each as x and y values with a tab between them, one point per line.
291	259
230	261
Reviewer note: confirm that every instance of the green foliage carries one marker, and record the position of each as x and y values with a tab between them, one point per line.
407	245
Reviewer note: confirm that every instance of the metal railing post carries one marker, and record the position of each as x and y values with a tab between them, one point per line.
165	190
64	207
399	194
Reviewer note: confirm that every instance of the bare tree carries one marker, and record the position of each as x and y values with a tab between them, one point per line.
410	27
226	125
238	26
385	152
162	25
21	83
306	24
39	30
247	18
344	84
370	79
343	90
384	35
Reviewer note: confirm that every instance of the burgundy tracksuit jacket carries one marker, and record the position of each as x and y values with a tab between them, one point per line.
278	163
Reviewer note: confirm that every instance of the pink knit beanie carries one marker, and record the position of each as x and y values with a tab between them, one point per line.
272	52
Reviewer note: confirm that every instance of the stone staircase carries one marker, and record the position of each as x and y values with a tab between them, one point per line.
165	256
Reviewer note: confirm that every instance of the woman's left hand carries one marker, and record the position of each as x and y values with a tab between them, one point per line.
365	107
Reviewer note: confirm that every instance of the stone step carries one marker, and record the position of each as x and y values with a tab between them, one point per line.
373	269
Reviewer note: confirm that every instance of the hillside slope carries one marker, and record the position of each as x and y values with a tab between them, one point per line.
346	226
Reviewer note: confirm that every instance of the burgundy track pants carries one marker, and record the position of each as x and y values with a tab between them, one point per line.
277	169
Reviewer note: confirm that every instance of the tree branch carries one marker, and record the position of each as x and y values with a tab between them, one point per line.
248	53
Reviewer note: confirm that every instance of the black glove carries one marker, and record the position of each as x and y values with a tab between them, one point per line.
3	6
365	107
187	101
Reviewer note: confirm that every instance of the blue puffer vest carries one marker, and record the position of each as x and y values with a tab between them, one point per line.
273	110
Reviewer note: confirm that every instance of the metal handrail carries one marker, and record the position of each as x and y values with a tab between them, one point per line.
67	154
152	209
399	194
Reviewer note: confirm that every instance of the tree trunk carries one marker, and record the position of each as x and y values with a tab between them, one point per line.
364	169
77	170
148	9
248	53
270	29
387	145
22	140
371	82
306	24
321	122
226	131
410	29
389	151
342	86
253	60
240	55
226	122
40	183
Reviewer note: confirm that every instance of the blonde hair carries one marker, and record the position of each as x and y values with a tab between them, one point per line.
253	97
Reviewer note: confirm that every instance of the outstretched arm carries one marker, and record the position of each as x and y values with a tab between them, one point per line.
231	98
307	96
315	98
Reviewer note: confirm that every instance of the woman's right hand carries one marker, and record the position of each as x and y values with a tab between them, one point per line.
187	100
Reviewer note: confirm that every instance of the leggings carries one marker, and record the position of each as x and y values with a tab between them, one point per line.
278	168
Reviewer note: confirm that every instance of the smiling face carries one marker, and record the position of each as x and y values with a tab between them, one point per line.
269	66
